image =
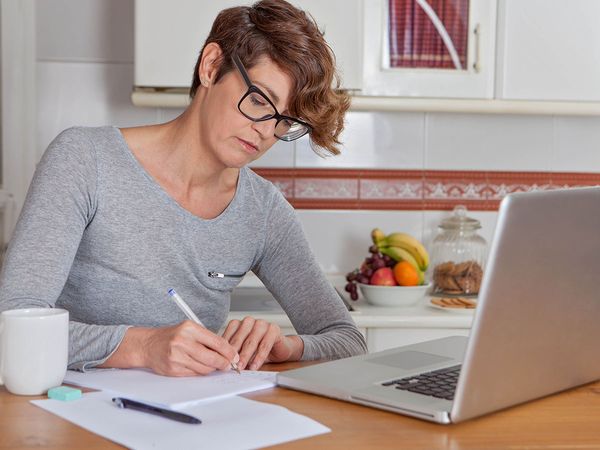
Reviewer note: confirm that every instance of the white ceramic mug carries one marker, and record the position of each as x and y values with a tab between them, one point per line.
34	349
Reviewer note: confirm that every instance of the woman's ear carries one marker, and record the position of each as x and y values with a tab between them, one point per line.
210	63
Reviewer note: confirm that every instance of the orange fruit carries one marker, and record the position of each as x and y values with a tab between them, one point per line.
406	274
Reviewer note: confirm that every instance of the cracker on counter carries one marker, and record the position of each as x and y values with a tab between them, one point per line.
454	302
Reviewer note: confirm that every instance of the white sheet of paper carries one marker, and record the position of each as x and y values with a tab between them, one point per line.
172	392
229	423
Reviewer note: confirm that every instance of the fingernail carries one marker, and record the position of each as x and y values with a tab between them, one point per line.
236	358
254	367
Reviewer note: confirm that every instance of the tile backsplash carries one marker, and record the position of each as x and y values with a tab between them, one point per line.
340	239
412	190
373	140
395	171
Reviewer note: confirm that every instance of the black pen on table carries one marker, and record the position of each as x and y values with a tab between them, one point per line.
150	409
190	315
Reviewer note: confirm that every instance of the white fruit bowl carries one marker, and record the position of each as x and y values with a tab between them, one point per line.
393	295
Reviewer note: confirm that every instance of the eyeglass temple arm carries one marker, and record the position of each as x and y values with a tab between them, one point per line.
241	68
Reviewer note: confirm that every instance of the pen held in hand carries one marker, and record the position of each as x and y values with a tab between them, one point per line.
190	315
150	409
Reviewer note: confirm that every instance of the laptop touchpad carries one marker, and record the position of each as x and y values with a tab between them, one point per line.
408	360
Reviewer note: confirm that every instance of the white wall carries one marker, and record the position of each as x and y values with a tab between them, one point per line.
85	74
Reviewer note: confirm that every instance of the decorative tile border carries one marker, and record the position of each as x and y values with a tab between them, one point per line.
412	189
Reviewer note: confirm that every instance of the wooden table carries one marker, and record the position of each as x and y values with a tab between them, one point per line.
570	420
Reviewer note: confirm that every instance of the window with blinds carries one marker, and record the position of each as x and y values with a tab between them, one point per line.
428	34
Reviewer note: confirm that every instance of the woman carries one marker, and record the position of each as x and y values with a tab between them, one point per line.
115	218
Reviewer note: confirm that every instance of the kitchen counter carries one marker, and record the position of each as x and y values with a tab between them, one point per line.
383	327
366	315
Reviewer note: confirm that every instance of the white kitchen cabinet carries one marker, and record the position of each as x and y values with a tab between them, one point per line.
278	319
548	50
18	104
169	36
386	328
379	339
474	80
383	327
342	23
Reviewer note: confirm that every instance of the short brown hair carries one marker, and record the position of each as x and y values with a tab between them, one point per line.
292	40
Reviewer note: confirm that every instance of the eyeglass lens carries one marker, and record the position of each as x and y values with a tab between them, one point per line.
256	107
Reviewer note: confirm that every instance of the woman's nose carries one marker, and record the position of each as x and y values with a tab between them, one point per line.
265	128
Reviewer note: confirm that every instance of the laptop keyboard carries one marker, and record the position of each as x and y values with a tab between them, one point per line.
438	383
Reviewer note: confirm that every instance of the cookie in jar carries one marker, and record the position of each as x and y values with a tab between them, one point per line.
458	255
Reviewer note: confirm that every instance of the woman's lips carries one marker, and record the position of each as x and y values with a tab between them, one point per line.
249	147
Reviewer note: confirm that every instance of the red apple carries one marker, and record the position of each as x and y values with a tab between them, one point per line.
384	277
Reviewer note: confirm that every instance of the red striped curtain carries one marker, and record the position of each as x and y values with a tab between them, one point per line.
416	42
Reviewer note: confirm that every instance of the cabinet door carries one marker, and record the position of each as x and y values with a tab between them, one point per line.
342	24
169	36
379	339
471	75
549	50
168	39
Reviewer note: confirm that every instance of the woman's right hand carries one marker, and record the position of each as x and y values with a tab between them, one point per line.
182	350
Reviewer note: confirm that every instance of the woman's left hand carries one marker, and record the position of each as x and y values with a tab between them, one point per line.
258	341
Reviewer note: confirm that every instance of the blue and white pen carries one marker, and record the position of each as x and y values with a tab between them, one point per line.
190	315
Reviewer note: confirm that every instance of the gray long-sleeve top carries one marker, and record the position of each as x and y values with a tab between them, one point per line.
99	237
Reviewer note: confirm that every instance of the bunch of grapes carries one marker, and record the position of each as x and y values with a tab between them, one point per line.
363	275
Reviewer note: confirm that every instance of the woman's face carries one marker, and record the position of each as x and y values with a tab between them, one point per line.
233	139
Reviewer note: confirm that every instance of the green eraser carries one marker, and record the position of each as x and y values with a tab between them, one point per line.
64	393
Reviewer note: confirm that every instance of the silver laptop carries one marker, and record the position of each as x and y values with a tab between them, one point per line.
535	332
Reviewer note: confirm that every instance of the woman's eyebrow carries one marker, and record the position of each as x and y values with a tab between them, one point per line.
272	95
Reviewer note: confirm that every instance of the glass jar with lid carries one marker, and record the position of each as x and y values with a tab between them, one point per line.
458	255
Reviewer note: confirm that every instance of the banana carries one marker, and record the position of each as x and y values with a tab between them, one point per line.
410	244
399	254
377	236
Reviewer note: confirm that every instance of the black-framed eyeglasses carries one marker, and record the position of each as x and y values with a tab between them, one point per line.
256	106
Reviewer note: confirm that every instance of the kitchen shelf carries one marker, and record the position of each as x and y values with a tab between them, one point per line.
493	106
178	98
